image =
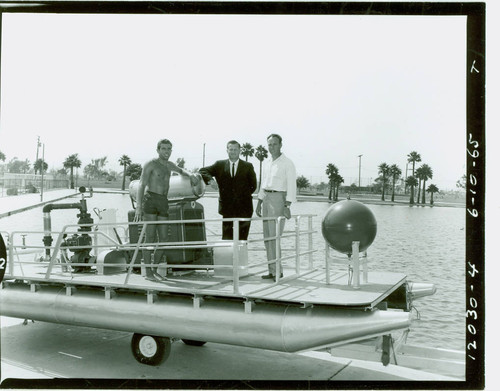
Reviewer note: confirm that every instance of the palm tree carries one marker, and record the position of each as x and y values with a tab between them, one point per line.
412	158
426	174
71	162
331	172
418	175
247	150
39	164
383	170
412	182
124	161
395	172
260	154
432	189
338	180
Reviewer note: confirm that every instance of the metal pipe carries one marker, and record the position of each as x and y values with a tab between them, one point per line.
236	257
355	264
271	326
310	226
47	224
297	244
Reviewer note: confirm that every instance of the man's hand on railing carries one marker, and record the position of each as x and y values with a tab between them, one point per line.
258	209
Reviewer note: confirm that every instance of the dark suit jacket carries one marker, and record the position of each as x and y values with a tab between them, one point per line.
235	194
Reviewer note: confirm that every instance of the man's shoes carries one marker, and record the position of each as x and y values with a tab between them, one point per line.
155	277
271	276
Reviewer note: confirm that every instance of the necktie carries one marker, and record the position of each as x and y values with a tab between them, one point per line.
232	172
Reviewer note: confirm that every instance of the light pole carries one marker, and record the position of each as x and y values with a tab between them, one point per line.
203	155
43	161
37	148
359	177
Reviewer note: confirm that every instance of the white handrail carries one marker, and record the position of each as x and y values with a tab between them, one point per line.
56	250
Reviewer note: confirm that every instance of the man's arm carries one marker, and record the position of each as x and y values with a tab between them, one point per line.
146	173
260	196
194	179
208	172
291	184
252	178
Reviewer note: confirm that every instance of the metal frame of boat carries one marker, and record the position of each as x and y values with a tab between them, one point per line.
312	307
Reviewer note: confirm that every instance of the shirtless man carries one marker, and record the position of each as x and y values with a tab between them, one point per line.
153	202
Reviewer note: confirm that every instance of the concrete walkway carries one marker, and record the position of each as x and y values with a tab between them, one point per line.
40	349
14	204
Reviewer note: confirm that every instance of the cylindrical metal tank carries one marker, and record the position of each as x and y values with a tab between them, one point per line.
180	188
281	327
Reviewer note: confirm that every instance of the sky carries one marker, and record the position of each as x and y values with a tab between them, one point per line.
334	87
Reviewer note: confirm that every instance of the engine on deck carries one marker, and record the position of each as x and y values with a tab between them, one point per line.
78	243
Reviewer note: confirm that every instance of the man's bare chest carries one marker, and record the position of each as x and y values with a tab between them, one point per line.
161	172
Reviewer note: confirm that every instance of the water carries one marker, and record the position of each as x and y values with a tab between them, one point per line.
427	244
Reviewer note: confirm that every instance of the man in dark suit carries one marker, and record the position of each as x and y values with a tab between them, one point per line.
237	181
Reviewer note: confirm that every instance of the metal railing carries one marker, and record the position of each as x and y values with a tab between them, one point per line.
22	250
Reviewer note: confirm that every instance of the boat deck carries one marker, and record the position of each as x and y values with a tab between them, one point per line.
307	288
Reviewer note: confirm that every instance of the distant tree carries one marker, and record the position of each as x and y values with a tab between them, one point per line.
418	175
39	164
180	162
134	171
412	182
18	166
71	162
60	173
321	186
111	175
337	181
432	189
331	171
426	174
260	154
95	169
124	161
247	150
395	172
412	158
461	183
383	170
302	183
2	156
89	171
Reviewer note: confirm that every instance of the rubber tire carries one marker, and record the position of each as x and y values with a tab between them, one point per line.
191	342
149	349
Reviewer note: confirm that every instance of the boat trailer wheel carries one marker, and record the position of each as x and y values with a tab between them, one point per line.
149	349
193	342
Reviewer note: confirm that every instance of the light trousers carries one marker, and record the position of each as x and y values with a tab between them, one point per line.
273	205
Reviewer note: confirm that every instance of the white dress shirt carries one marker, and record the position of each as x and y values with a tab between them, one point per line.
279	175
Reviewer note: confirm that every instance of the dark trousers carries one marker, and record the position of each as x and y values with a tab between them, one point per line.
227	230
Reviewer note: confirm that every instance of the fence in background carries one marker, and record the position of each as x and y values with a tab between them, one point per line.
13	184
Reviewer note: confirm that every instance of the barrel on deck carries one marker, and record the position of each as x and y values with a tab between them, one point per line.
180	232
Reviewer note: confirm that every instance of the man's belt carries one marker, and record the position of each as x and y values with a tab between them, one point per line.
273	191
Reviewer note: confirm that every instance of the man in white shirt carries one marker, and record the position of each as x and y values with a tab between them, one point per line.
277	192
